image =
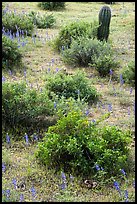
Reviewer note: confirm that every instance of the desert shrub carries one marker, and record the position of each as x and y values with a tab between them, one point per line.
45	21
77	145
52	5
11	55
90	52
72	86
21	105
73	31
17	22
129	73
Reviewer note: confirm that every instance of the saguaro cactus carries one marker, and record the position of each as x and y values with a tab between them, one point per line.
104	23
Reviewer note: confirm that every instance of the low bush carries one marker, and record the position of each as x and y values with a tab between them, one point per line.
129	73
72	86
45	21
73	31
22	105
76	145
52	5
17	22
90	52
11	56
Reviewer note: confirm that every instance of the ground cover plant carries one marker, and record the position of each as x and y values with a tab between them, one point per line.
53	122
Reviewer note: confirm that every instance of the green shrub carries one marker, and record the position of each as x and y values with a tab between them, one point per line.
15	22
22	105
129	73
52	5
45	21
73	31
11	55
69	86
77	145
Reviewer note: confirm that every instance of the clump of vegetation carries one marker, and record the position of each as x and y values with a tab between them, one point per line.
45	21
76	86
129	73
17	22
22	105
73	31
52	5
11	56
91	52
76	145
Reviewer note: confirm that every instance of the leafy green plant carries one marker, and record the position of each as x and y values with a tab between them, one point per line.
45	21
77	145
14	22
22	105
52	5
72	86
11	56
73	31
129	73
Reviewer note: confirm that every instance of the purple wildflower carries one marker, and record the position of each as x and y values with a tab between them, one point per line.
3	79
35	137
21	198
97	167
131	90
14	182
7	138
109	107
57	69
116	184
126	196
110	72
55	105
121	79
93	120
87	112
33	191
26	138
63	186
134	183
123	172
7	193
3	167
63	176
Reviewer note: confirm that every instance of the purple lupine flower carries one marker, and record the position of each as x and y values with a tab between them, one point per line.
3	79
93	120
48	69
134	183
21	198
63	176
35	137
7	191
128	111
116	185
102	168
26	138
123	172
14	182
121	79
3	167
97	167
57	69
55	105
17	34
134	108
7	138
33	191
109	107
110	72
25	73
87	112
131	90
63	186
126	196
71	178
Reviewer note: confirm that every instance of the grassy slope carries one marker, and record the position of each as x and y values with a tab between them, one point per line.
37	57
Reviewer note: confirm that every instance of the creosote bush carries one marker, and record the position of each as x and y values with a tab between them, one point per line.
76	145
52	5
72	86
11	56
73	31
17	22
